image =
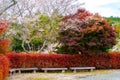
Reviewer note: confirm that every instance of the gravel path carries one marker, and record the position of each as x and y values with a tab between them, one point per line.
109	75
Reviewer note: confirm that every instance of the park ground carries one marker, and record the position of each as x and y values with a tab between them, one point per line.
84	75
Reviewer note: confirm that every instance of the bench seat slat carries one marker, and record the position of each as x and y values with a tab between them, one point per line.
82	67
53	68
26	68
50	69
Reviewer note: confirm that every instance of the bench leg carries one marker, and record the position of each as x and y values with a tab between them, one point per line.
45	71
91	70
19	71
13	72
34	71
74	71
10	73
63	71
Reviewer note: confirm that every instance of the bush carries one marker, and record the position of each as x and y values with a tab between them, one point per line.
86	33
4	67
100	61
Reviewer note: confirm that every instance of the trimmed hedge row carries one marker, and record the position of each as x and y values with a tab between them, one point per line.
100	61
39	60
4	67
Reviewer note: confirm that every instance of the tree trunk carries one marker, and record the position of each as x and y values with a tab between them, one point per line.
42	47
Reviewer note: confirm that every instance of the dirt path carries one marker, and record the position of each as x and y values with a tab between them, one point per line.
51	76
101	75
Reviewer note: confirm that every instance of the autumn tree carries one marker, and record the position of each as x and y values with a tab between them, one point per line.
84	32
4	43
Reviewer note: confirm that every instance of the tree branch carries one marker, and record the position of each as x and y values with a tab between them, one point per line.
7	6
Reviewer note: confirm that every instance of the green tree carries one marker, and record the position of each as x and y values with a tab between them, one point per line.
34	34
115	21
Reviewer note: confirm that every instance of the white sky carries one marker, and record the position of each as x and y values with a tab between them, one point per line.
103	7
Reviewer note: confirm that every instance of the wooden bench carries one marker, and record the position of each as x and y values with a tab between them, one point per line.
53	69
12	71
81	68
22	69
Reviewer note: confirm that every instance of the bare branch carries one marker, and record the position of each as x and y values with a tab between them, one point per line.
7	6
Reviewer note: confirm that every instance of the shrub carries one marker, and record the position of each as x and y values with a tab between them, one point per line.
4	63
86	33
100	61
4	67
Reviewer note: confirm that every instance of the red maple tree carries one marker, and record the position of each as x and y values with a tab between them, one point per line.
86	33
4	43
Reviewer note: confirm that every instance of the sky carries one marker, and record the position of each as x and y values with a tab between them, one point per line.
105	8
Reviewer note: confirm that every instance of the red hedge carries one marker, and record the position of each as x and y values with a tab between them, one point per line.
4	67
100	61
